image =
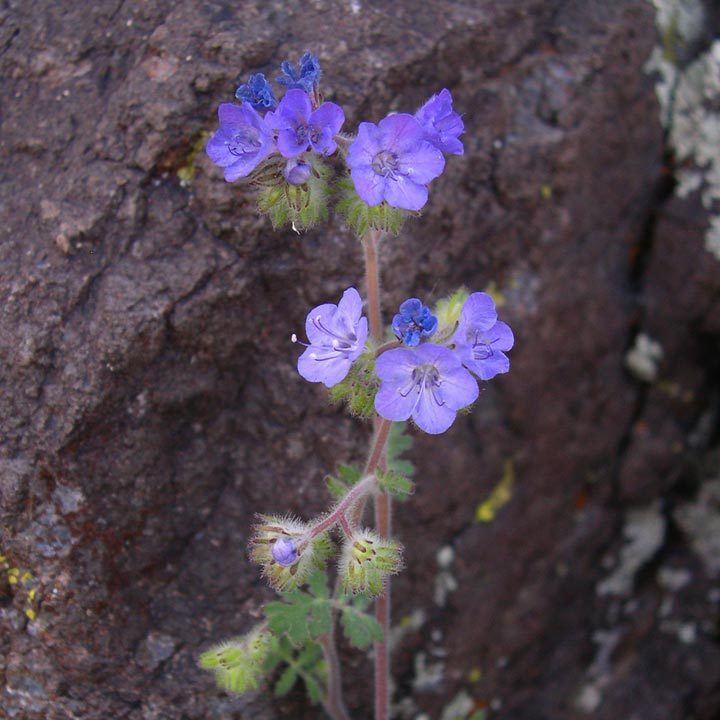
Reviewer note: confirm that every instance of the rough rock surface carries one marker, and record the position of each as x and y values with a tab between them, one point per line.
149	403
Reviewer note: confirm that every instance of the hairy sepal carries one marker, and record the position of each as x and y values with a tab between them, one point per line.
361	217
357	391
302	206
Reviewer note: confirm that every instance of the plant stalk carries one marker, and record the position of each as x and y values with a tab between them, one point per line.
383	507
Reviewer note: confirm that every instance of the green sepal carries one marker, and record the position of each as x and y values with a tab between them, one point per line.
447	311
359	387
395	483
302	206
361	217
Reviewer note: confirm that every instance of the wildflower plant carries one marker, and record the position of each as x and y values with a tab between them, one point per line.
425	368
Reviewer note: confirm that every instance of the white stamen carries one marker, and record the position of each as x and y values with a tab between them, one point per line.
313	356
293	338
335	343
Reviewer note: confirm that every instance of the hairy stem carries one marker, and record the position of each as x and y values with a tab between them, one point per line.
383	508
355	494
334	705
372	282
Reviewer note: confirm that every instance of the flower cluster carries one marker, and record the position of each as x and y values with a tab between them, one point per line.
390	164
428	382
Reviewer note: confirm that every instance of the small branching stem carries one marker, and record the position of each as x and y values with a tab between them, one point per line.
390	345
354	495
345	525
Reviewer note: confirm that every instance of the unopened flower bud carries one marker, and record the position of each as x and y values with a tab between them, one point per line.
297	172
286	552
368	559
238	664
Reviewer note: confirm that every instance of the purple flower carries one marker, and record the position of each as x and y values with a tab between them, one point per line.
481	340
337	335
392	161
307	76
300	126
257	92
442	125
427	383
413	322
297	172
284	551
242	142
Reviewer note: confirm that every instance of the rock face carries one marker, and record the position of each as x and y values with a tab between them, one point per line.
150	404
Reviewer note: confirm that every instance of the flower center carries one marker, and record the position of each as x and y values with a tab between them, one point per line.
424	378
481	348
307	133
246	140
341	338
385	163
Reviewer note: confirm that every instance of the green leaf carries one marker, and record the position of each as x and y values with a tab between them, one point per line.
347	476
291	617
359	387
313	688
360	628
300	615
396	484
286	681
398	443
317	584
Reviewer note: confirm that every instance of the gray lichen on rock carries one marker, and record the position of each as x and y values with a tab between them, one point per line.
689	98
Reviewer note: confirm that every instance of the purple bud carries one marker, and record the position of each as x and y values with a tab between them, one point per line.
297	172
284	552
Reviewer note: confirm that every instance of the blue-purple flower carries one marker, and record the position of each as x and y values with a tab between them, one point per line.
258	92
428	384
481	340
305	77
442	125
301	127
243	141
337	335
392	161
413	321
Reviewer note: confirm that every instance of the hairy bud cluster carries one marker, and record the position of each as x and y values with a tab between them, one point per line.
366	561
238	664
285	551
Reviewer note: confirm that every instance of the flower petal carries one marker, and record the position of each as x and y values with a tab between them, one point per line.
325	144
217	148
397	365
322	316
458	388
391	404
328	115
500	336
294	109
351	304
402	192
289	145
478	314
400	133
489	367
422	165
370	186
365	146
430	416
327	371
